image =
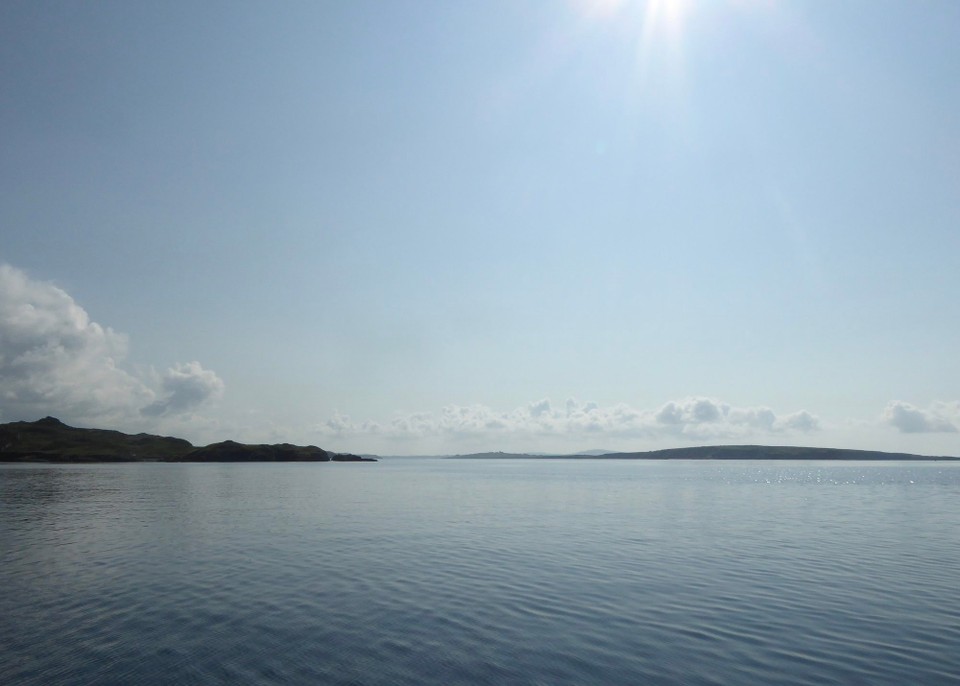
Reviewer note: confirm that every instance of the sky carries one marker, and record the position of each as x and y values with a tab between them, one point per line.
448	227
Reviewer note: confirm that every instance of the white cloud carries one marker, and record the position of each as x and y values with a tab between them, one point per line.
695	418
760	418
690	411
539	408
55	360
799	421
941	417
185	386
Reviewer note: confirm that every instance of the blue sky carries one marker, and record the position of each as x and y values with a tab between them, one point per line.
409	227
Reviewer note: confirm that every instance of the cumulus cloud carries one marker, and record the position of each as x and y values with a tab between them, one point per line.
185	386
694	418
689	411
799	421
341	425
55	360
941	417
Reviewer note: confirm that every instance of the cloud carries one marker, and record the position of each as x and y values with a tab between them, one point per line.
799	421
941	417
689	411
185	386
55	360
695	418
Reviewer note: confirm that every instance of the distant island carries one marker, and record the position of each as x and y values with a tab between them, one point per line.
50	440
719	452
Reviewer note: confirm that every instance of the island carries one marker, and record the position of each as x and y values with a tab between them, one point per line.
50	440
720	452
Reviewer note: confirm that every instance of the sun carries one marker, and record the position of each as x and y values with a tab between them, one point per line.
600	9
670	10
664	18
656	19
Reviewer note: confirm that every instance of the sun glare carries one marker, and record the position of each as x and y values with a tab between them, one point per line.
601	9
664	18
656	20
668	12
656	29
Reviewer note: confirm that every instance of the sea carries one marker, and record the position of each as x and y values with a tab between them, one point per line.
432	571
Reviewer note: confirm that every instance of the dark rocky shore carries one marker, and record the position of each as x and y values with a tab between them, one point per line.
50	440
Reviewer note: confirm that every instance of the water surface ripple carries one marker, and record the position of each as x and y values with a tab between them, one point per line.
460	572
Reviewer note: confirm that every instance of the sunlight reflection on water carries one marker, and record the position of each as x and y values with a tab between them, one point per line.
429	571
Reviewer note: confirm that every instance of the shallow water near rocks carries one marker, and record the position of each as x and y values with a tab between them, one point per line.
425	571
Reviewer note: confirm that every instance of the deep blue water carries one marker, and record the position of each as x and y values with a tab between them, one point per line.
499	572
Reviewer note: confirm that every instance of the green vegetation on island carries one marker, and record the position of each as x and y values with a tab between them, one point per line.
50	440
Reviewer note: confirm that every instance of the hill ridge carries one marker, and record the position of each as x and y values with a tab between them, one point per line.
722	452
50	440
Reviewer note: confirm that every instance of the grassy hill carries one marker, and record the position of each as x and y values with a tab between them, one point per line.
50	440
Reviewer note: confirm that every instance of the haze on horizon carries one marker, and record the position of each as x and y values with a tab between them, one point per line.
424	227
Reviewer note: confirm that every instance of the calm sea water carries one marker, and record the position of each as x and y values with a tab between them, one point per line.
481	572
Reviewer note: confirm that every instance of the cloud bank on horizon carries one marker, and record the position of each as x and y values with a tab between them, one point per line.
692	418
940	417
55	361
576	424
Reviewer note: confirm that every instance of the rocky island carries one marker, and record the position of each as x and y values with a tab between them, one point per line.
50	440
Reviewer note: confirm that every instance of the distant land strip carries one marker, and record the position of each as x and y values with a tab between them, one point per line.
721	452
50	440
